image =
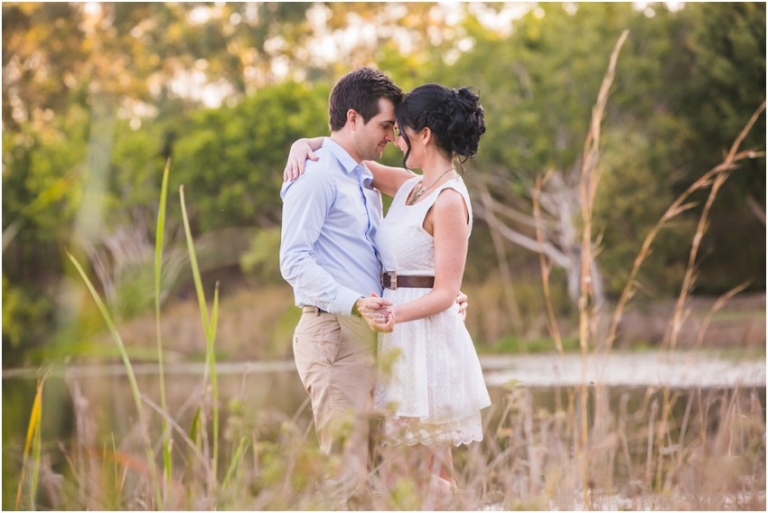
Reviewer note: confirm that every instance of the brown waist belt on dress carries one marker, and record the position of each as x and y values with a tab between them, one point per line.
390	280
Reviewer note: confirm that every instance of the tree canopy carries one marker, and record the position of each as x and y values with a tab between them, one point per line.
96	97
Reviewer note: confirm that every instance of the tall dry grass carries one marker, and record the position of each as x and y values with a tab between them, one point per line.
661	424
712	458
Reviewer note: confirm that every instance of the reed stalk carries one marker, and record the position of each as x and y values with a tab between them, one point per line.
587	189
676	208
688	279
545	269
679	314
716	307
131	378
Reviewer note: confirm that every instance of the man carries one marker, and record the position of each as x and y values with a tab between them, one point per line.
327	254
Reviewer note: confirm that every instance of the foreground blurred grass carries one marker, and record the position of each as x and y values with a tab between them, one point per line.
709	455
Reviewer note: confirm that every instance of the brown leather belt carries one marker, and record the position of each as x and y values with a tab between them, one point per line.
391	280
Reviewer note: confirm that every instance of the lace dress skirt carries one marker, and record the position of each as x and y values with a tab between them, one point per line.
430	383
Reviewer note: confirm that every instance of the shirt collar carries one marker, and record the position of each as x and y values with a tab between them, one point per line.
346	161
366	175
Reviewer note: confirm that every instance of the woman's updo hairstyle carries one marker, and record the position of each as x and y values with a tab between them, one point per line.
455	118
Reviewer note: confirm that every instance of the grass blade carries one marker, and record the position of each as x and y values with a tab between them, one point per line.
167	463
33	436
129	371
211	358
235	461
195	268
209	326
194	434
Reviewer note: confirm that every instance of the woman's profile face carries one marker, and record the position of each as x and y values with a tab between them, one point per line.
400	139
413	161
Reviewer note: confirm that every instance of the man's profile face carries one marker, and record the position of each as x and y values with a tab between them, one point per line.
372	138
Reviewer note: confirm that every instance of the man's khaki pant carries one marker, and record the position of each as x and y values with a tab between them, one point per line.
334	356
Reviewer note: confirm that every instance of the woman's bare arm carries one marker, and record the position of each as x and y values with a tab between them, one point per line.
448	221
388	179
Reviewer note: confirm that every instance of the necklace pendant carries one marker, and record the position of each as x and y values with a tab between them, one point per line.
416	194
420	189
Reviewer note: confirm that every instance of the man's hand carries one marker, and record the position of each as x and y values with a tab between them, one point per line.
299	154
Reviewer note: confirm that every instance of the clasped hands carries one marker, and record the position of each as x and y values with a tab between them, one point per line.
377	311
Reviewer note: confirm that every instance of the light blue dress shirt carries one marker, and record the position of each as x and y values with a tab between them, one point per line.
330	217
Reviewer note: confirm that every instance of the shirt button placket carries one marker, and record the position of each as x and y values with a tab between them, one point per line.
369	227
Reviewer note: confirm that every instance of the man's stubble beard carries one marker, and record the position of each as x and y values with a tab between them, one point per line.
373	154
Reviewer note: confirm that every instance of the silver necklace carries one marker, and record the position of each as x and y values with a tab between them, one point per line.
420	189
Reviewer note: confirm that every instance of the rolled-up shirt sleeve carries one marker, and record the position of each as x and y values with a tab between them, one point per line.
306	203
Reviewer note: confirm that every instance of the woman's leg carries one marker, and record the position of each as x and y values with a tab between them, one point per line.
440	461
440	484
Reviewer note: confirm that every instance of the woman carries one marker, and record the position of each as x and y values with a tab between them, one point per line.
430	383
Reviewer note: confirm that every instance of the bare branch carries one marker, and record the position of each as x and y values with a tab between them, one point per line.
506	275
756	209
554	330
557	256
510	213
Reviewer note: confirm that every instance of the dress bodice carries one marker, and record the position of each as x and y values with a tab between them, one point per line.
403	243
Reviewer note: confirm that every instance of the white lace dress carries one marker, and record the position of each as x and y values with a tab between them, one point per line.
430	383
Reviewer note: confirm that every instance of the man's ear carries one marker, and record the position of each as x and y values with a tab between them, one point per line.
352	116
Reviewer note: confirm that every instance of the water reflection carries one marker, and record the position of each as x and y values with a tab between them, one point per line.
103	391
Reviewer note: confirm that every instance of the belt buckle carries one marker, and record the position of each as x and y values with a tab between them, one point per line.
392	279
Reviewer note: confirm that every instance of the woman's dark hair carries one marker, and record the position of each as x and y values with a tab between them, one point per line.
455	118
360	90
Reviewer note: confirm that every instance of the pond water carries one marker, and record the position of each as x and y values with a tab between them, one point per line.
104	391
677	370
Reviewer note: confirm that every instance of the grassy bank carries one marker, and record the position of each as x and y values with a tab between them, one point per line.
256	322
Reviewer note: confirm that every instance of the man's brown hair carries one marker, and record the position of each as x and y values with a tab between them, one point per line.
360	90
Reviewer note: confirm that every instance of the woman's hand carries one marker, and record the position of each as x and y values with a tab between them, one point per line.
380	322
381	318
375	311
301	151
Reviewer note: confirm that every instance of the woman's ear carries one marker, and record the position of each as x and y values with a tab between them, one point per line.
426	135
